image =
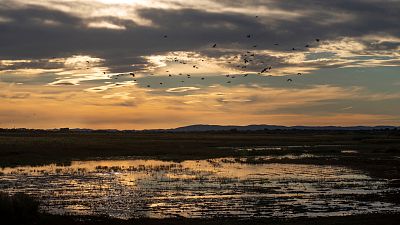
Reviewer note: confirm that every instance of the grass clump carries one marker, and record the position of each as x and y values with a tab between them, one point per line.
18	209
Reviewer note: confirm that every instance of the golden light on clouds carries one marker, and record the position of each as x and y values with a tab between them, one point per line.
132	107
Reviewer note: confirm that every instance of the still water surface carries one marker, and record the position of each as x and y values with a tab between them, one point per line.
131	188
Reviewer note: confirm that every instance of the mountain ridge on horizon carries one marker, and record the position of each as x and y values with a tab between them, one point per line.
212	127
258	127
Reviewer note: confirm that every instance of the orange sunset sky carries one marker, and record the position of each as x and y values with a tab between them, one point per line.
142	64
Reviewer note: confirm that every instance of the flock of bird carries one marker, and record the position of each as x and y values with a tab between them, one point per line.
248	59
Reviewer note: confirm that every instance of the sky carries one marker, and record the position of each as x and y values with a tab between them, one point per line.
145	64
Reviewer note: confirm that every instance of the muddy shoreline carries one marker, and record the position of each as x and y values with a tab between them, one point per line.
367	219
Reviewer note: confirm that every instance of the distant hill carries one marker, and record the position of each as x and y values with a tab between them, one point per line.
204	128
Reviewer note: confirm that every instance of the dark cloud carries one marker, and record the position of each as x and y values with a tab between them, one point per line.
35	32
36	63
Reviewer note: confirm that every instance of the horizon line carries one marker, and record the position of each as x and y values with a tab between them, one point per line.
277	127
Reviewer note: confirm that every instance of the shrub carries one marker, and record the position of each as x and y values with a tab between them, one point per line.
18	209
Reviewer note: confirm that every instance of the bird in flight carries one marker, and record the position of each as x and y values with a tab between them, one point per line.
249	58
265	69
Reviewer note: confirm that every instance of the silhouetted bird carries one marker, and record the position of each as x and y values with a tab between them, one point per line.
307	46
165	36
317	40
248	36
289	80
215	45
264	70
299	74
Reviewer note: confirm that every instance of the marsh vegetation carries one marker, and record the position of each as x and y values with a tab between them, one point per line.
203	177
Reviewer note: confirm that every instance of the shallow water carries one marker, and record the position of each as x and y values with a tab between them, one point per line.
129	188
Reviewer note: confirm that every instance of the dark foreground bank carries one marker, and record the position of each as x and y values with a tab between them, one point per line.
370	219
367	219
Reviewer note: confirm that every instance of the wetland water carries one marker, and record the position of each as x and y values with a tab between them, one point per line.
131	188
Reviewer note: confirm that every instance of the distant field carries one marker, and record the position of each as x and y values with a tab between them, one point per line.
379	151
